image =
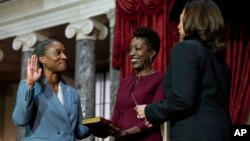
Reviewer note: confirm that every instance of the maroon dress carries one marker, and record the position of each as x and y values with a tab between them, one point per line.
140	90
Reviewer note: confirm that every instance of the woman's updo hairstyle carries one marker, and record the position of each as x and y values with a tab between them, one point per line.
42	47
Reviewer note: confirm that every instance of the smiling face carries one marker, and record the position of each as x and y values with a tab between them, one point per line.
139	54
54	59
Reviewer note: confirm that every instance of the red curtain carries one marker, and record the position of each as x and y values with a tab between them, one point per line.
238	58
131	14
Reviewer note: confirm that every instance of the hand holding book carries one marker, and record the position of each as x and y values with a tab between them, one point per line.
101	127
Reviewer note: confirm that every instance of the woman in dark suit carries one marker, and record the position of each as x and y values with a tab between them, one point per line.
197	81
46	106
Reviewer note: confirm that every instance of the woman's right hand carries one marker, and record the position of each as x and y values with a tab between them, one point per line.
115	131
33	70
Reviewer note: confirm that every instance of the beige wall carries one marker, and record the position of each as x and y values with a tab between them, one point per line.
7	102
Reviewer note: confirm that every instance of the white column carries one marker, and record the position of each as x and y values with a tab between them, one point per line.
27	41
114	73
87	29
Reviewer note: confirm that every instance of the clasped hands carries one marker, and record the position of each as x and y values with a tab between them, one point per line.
140	110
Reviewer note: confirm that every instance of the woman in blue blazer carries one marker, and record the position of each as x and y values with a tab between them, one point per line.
197	82
46	106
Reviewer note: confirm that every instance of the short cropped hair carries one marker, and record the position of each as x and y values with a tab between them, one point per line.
151	37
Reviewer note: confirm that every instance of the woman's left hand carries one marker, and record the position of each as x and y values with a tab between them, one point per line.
140	110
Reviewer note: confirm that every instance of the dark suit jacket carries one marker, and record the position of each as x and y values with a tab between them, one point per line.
43	115
197	86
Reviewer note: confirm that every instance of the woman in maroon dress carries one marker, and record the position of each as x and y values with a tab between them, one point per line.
143	88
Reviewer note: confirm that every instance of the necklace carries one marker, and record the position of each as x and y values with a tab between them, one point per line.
145	73
137	79
131	93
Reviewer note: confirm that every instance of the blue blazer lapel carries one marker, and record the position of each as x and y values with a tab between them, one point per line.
67	96
56	102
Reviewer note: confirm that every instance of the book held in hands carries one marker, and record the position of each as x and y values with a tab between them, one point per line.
101	127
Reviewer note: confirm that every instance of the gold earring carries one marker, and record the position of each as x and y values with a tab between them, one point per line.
151	57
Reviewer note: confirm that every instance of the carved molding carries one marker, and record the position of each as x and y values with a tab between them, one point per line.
87	29
43	17
27	41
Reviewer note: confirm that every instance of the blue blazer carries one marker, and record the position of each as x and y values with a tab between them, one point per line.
43	115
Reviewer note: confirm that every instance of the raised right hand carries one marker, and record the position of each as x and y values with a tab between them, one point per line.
33	70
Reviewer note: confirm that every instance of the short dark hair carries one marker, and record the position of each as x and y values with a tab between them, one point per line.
151	37
203	20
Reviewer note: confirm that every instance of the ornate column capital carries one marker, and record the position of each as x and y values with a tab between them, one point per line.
111	16
27	41
1	54
87	29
